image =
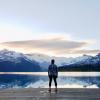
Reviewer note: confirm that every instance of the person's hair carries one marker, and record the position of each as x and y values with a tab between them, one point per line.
52	61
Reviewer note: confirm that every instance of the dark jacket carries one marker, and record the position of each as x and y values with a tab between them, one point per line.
53	70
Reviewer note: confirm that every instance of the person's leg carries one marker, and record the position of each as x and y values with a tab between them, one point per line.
50	81
55	81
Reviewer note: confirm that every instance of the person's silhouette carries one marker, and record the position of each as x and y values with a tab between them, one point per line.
52	74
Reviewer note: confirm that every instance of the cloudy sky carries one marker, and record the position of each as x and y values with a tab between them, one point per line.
52	27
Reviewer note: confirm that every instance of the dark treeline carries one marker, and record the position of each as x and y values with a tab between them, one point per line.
81	68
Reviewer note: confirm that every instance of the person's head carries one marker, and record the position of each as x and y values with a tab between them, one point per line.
52	61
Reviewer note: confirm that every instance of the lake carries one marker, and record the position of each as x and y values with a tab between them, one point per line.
40	80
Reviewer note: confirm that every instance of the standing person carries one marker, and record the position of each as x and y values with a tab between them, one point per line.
52	74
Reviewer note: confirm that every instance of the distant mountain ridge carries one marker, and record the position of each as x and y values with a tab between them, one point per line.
11	61
89	63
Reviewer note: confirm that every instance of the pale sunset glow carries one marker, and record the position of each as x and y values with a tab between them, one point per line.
66	28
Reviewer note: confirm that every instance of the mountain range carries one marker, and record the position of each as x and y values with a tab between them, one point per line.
86	63
11	61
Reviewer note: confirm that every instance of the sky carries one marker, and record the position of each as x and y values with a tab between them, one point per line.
52	27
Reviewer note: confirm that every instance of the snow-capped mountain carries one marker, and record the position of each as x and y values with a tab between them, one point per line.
12	56
44	60
84	63
14	61
86	59
60	61
40	62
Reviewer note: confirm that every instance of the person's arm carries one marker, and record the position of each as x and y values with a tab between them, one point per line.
48	70
57	70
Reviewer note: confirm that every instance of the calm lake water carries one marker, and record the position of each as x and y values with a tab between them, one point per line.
40	80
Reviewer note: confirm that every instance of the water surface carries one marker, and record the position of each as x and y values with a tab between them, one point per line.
40	80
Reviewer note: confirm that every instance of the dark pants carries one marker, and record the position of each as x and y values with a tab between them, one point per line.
50	80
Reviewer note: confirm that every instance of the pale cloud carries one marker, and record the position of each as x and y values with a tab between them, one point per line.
54	43
55	46
84	51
